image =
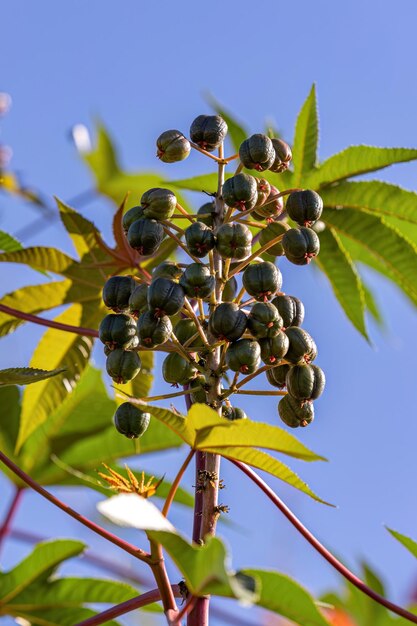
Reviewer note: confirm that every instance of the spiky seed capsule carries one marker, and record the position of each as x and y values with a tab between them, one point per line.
257	152
283	155
304	207
208	131
172	146
130	421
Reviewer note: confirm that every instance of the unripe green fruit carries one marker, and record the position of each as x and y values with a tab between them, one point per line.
117	330
304	207
152	330
199	239
122	365
264	320
158	203
283	155
227	322
132	345
208	131
305	382
145	236
165	297
230	290
233	413
262	280
291	310
167	269
301	245
138	301
244	356
294	413
206	212
302	348
184	330
177	370
257	152
276	376
240	192
172	146
271	209
132	215
263	188
197	281
234	241
130	421
272	231
274	349
199	395
117	291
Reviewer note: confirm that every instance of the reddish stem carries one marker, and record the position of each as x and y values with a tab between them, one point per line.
175	484
78	330
342	569
124	545
5	527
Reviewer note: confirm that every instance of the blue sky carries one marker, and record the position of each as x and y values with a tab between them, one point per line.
144	67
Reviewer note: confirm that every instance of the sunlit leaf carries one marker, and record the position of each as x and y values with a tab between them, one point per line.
407	542
306	138
82	232
9	243
26	375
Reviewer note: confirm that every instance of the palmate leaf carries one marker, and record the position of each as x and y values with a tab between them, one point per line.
9	419
42	258
26	375
9	243
82	232
306	138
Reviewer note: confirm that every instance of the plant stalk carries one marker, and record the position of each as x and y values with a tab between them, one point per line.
11	511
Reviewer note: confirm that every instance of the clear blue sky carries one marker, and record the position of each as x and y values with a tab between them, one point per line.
144	67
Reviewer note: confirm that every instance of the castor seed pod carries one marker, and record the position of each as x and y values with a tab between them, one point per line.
227	322
138	301
199	239
208	131
272	231
263	188
257	152
300	245
230	290
276	376
206	212
302	348
198	395
158	203
152	330
167	269
233	413
132	215
274	349
244	356
117	330
172	146
291	310
240	192
262	280
132	345
272	207
305	382
117	291
234	241
197	281
184	330
294	413
130	421
165	297
264	321
177	370
304	207
122	365
283	155
145	236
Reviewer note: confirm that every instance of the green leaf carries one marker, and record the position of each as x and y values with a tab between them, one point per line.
357	160
82	232
40	563
407	542
9	243
9	418
306	138
335	263
103	158
41	258
372	305
236	132
60	617
26	375
284	596
175	421
204	182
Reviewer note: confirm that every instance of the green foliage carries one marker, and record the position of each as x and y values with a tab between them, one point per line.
306	139
25	375
407	542
9	243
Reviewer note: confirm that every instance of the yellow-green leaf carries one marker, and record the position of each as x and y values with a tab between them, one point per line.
306	138
26	375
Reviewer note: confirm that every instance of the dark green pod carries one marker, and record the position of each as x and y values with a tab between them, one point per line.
272	231
274	349
165	297
138	301
152	330
177	370
198	395
197	281
158	203
122	365
230	290
206	213
262	280
208	131
263	189
240	192
291	310
244	356
172	146
167	269
283	156
117	330
199	239
301	245
184	330
117	291
145	236
304	207
276	376
132	345
227	322
302	348
272	208
130	421
305	382
257	152
264	321
294	413
132	215
234	241
233	413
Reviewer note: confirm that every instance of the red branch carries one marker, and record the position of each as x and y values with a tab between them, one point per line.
5	527
78	330
342	569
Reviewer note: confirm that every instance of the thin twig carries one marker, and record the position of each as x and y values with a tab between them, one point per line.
176	482
11	511
78	330
181	244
